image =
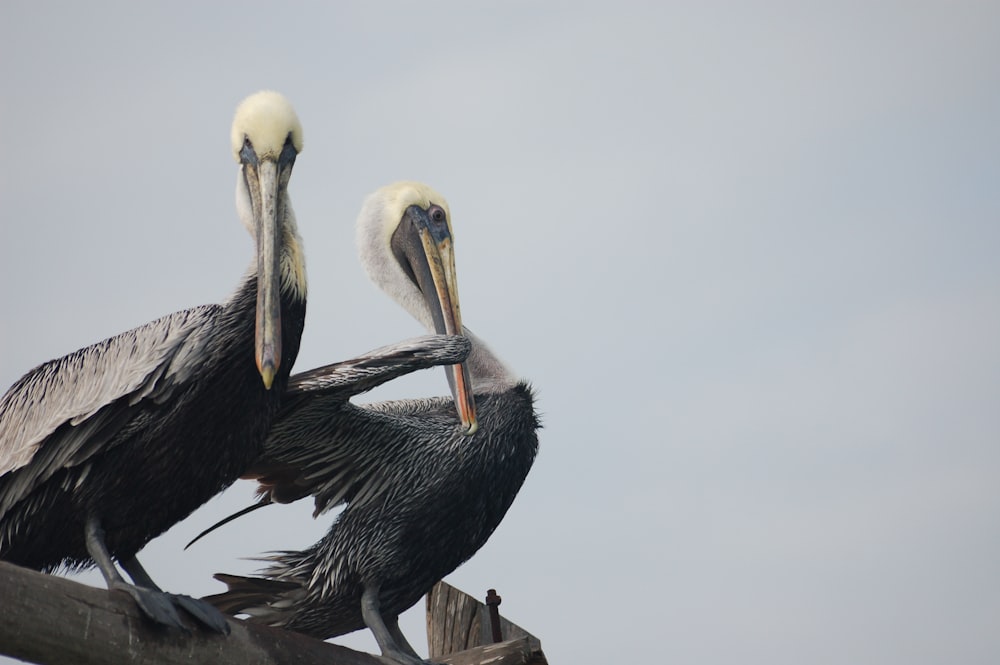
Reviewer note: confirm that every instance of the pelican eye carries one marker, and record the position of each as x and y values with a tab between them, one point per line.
248	155
288	151
437	213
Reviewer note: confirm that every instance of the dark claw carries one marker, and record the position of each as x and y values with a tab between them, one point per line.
159	606
204	613
154	604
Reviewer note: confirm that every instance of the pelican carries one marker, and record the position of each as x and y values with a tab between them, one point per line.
104	449
424	484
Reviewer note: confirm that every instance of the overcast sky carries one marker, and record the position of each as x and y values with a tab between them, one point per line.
748	254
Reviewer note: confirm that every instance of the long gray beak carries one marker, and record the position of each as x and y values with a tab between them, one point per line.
264	193
432	259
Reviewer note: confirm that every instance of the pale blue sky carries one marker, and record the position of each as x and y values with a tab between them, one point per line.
746	252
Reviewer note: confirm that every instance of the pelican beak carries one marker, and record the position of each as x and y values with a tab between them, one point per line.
264	181
432	261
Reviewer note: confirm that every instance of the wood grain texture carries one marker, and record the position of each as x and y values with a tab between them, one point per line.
49	619
457	622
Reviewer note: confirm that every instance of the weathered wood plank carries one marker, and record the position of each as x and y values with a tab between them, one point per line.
511	652
457	622
454	621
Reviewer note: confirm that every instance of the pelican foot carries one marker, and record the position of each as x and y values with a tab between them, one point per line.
156	605
160	607
206	614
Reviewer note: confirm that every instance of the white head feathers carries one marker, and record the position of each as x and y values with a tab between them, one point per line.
379	218
267	119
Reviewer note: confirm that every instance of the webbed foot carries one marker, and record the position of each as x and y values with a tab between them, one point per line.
204	613
154	604
160	607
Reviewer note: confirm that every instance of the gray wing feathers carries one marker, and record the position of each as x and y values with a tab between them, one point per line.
75	389
340	452
334	450
265	600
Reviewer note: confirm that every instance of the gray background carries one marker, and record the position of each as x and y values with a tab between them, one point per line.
747	253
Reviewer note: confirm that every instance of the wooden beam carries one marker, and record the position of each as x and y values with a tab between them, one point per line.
48	620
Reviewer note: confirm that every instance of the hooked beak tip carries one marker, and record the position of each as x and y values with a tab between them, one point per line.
267	373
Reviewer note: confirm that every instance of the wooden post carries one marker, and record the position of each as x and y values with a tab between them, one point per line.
457	622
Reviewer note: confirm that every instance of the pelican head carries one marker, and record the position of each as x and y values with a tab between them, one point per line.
266	138
405	243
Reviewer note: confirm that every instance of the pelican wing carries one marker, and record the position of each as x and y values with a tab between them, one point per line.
339	452
325	446
61	412
361	374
